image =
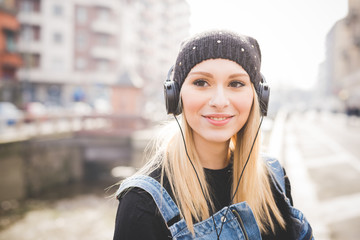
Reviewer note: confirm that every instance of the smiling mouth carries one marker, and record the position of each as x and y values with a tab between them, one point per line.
219	118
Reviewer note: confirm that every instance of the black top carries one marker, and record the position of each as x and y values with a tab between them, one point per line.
139	218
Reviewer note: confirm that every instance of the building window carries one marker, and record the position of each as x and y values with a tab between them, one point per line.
31	60
30	33
58	64
81	40
29	6
26	6
36	30
35	60
9	41
103	13
81	63
57	10
102	65
57	38
103	39
26	33
8	73
81	14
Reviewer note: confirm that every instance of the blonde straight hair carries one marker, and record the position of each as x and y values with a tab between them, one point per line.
169	154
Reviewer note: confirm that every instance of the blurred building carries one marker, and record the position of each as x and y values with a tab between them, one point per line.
152	32
79	50
10	60
340	73
69	50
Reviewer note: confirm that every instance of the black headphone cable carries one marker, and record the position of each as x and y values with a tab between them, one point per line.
197	176
242	172
237	186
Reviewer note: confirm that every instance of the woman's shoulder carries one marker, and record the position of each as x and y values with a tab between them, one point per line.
138	217
161	177
278	178
140	182
137	198
143	187
275	170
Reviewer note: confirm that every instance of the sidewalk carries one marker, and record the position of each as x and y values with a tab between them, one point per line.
324	175
303	188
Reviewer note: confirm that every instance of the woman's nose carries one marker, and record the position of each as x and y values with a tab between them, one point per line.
219	99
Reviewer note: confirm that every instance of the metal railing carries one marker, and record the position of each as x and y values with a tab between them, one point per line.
114	123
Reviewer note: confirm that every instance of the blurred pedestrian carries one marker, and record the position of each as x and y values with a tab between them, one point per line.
207	178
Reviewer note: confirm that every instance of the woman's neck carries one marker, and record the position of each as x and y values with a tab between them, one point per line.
213	155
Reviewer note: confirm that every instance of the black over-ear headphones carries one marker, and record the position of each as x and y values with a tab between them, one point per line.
172	94
263	95
173	101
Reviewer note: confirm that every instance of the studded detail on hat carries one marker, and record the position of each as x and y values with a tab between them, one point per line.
241	49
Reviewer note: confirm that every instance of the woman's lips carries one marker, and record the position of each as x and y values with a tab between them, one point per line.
218	119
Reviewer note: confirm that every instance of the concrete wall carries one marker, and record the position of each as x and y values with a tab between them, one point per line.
50	162
12	181
30	167
27	168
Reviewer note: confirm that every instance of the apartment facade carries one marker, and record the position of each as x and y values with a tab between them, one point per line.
152	32
340	73
62	56
10	60
79	50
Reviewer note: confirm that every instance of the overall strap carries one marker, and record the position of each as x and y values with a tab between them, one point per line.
277	173
301	228
164	202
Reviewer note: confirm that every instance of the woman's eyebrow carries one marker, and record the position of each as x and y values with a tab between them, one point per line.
238	75
207	74
201	73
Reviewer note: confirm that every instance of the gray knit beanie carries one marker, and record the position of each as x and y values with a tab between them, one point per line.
223	44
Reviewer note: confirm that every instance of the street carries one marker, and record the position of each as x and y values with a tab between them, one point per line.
323	161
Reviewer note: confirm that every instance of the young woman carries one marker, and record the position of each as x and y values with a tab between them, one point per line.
206	178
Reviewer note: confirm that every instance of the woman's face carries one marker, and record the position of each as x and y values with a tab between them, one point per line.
217	97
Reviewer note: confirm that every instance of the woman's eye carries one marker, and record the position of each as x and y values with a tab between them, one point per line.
236	84
200	83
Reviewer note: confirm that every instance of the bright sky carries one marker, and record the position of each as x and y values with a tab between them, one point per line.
291	33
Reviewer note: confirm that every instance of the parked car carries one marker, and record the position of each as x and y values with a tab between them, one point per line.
102	106
35	111
81	109
9	114
55	110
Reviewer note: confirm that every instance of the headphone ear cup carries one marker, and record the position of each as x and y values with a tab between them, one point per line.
172	94
264	96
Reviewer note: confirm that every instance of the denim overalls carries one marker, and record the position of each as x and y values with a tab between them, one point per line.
239	221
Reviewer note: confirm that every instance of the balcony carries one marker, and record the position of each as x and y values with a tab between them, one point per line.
29	47
101	52
39	75
11	59
103	26
111	4
31	18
